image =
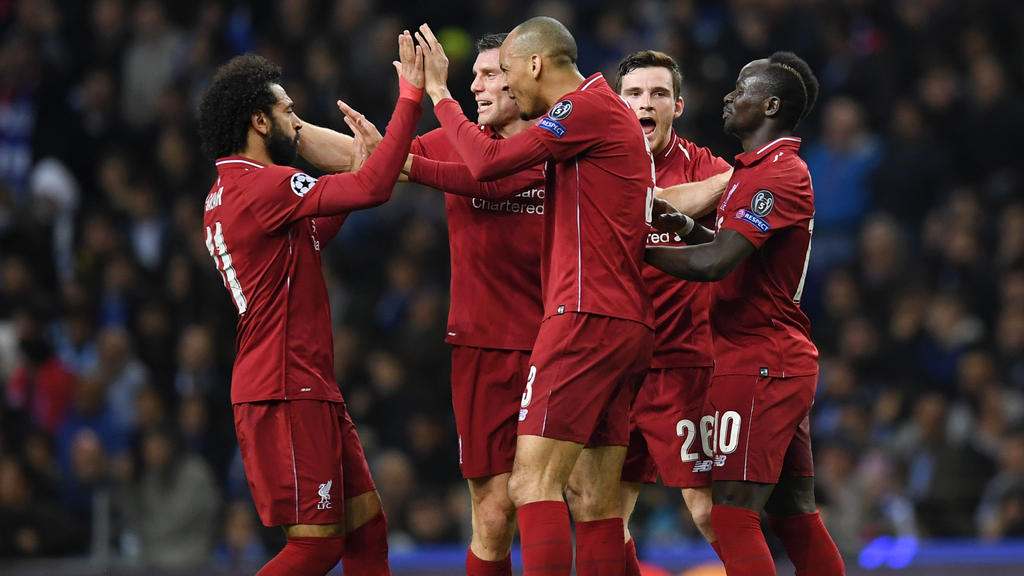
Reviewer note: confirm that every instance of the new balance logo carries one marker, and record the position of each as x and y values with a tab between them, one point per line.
325	496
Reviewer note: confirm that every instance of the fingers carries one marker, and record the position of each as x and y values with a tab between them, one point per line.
428	35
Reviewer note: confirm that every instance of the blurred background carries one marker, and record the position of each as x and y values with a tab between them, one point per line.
117	448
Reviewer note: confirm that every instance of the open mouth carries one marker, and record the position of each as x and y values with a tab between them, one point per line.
649	125
482	105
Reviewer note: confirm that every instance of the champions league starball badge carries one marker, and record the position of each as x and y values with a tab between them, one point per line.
302	183
561	110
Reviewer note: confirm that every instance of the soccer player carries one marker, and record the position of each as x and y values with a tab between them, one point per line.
766	366
495	248
265	223
596	338
667	414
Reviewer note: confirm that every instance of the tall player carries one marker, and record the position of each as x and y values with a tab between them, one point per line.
595	341
265	223
495	247
666	416
766	367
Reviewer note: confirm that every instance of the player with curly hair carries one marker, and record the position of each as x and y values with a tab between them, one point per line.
265	223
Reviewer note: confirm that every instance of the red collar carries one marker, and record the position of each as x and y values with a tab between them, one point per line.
750	158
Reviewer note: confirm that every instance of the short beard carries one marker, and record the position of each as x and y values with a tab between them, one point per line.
281	149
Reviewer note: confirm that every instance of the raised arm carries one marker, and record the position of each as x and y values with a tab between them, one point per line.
696	199
456	178
372	184
333	151
486	158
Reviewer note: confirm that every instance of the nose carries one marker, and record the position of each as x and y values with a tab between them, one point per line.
477	86
645	100
728	98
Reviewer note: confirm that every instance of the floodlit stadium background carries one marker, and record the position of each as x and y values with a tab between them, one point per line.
916	286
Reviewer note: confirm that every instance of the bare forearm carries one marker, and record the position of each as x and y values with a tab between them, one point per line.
686	262
695	199
326	149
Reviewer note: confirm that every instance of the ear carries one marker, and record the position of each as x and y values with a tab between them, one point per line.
680	104
260	122
536	63
771	106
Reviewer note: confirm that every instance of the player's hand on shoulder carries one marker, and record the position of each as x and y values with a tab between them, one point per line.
435	63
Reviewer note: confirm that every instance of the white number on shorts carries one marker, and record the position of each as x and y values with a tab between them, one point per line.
687	431
528	393
707	429
729	432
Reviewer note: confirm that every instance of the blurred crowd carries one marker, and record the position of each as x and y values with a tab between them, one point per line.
117	337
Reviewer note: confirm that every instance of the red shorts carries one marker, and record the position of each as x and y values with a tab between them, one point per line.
487	386
302	459
761	427
584	372
665	429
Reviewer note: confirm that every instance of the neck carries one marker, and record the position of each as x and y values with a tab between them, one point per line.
256	149
764	134
660	149
563	82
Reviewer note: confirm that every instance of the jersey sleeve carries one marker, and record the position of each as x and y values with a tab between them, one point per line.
571	127
487	158
704	164
455	178
759	210
283	194
431	145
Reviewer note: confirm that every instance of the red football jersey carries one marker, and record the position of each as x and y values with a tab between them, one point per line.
682	333
495	260
599	182
756	321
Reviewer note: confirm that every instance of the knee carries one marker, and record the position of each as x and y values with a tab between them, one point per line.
518	489
589	502
495	522
700	511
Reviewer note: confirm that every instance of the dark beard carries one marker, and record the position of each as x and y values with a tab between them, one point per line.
281	149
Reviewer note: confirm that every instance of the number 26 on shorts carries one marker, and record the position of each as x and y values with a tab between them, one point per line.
718	432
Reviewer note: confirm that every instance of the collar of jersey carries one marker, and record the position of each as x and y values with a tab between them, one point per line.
748	158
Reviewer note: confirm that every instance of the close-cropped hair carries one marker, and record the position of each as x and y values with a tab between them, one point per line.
650	59
791	79
240	88
491	41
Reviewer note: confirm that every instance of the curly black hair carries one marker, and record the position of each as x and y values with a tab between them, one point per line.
240	89
791	79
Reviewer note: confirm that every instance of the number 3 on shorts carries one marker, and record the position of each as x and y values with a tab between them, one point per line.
528	393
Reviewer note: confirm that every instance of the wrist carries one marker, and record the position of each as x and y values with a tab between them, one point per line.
438	94
688	226
407	90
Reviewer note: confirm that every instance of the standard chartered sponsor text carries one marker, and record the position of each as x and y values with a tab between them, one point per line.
514	205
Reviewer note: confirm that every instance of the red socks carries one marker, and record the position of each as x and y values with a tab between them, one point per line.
478	567
366	549
600	550
741	544
808	544
303	556
546	538
632	562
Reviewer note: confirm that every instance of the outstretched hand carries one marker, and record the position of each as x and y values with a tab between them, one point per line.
365	134
435	64
410	64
